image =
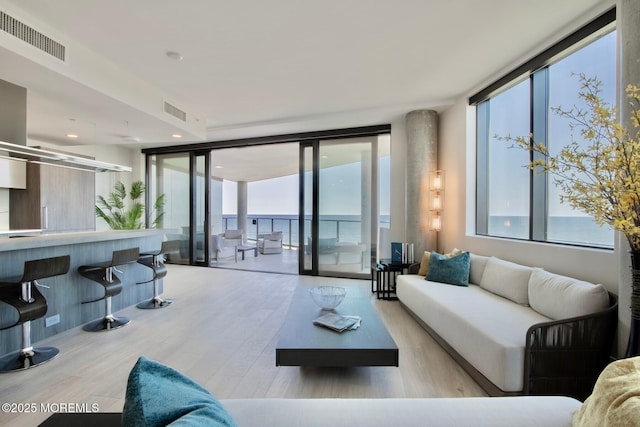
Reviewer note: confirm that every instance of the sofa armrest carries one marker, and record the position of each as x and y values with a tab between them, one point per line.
566	356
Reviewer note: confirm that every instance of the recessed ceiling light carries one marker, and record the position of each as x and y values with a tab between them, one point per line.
174	55
72	135
219	167
176	135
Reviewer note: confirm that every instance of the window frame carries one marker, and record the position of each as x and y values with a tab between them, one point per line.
537	72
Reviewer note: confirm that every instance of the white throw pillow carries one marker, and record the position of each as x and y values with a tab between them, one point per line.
561	297
478	264
507	279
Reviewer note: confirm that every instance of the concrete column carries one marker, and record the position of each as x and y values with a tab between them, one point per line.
628	27
422	159
242	207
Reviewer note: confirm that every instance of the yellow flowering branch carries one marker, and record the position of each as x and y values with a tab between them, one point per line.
601	177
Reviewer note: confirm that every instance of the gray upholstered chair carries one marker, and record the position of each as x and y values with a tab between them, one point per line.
270	243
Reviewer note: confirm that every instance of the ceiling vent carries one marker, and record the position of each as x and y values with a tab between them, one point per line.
175	111
35	38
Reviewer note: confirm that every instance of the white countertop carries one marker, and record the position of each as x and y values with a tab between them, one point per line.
60	239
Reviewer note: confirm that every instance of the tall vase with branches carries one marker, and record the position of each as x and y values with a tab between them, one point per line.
120	215
600	175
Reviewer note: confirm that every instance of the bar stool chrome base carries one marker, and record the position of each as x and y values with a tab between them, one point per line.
153	303
107	323
25	359
155	261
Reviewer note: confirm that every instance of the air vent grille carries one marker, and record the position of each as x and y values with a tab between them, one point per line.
35	38
175	111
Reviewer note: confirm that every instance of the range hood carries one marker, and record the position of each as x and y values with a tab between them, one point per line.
37	155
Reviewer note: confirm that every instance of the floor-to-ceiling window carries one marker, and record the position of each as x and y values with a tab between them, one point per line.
169	174
255	186
341	201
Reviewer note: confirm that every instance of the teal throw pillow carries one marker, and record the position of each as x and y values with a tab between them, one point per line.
160	396
454	270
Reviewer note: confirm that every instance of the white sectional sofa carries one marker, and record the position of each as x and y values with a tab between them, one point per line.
516	329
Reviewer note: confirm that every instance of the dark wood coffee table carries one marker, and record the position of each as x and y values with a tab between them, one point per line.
304	344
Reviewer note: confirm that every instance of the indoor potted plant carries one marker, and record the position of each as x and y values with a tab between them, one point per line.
115	212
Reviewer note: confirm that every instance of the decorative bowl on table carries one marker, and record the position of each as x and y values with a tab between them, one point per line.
327	297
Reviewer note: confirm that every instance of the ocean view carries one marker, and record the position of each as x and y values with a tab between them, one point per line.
561	229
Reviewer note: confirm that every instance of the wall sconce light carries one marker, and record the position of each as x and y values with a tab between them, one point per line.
437	180
436	203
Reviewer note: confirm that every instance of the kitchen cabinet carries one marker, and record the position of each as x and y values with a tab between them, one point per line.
56	200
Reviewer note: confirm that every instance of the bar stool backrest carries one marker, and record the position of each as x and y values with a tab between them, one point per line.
125	256
170	246
46	267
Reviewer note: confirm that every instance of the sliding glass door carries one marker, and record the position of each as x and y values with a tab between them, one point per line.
182	179
340	205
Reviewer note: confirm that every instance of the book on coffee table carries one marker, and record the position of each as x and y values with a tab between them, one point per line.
337	322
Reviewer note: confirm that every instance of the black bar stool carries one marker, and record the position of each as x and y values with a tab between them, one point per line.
30	304
103	273
155	261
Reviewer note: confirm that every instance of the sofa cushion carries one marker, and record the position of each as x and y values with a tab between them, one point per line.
424	263
507	279
157	395
561	297
478	263
452	270
615	400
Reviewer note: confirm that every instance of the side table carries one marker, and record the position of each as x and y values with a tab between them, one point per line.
386	272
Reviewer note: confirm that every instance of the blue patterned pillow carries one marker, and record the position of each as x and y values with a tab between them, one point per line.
159	396
454	270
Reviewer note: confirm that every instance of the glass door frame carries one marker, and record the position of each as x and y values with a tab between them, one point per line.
314	145
193	213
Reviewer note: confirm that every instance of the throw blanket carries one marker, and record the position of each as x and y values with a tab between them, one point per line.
615	400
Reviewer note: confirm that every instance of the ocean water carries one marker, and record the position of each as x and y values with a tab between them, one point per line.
561	229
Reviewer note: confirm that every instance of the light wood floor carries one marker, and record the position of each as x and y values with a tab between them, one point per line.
222	331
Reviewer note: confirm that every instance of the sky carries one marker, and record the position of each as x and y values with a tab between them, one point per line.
339	192
509	189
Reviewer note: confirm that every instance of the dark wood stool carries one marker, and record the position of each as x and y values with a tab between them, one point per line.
155	261
30	304
103	274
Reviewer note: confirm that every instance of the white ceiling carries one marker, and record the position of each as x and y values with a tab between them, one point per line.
263	67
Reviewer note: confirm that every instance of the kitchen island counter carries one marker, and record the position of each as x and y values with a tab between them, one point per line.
66	293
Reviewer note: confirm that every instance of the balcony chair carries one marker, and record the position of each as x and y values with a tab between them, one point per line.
233	237
155	261
270	243
31	304
223	248
103	274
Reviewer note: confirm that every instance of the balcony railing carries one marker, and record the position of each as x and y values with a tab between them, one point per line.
344	230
